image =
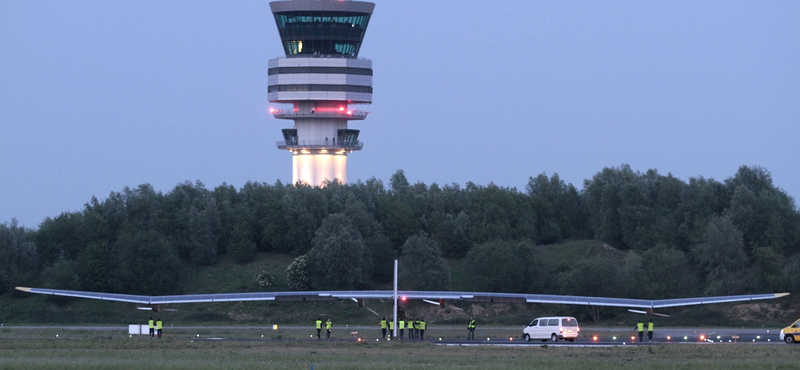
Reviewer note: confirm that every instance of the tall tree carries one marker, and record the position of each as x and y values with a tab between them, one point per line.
18	258
304	208
298	274
148	264
669	273
559	210
62	237
452	233
202	241
594	277
143	206
505	266
723	258
96	267
603	200
339	257
378	246
422	266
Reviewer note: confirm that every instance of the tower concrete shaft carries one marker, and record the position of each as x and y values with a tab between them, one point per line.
321	77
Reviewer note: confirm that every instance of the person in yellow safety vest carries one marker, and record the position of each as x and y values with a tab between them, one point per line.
471	329
422	329
159	325
319	327
649	331
328	326
400	327
640	328
391	328
152	327
416	329
410	328
383	328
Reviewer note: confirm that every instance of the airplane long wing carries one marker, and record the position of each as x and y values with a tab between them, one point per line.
477	297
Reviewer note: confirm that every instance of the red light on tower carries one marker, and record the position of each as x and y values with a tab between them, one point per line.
594	338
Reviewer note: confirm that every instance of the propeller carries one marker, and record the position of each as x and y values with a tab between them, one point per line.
649	312
155	308
442	304
360	303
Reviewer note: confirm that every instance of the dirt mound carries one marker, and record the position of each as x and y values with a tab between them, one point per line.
755	312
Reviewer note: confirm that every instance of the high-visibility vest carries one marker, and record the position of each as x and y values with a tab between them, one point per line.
471	324
383	324
391	325
416	324
151	324
410	324
640	326
158	324
319	324
650	326
328	325
422	325
402	325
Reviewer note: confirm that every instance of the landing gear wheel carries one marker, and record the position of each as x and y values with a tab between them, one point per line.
789	339
554	338
527	338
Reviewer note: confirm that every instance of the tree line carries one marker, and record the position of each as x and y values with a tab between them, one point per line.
679	238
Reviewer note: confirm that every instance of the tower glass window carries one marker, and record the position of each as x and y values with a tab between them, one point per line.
348	137
321	32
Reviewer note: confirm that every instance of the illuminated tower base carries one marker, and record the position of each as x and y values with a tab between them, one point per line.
321	76
317	168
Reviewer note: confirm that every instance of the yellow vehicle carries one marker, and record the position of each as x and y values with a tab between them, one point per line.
791	333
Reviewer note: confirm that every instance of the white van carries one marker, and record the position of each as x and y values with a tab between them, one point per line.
553	328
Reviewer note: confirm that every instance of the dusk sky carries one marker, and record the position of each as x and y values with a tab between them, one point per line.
99	95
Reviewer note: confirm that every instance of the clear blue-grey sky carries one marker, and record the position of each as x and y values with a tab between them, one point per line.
99	95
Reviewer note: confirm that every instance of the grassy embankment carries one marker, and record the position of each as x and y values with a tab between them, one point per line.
228	276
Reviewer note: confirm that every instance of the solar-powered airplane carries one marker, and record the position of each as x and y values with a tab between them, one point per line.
643	306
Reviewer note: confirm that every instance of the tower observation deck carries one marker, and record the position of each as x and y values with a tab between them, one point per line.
321	77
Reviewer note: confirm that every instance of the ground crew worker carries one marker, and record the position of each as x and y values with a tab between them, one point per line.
383	328
416	329
159	325
400	327
391	329
328	326
319	327
471	328
649	331
410	328
640	328
422	329
152	327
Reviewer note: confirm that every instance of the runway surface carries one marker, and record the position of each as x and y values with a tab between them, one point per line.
589	336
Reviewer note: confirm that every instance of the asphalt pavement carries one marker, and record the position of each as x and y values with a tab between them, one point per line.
589	336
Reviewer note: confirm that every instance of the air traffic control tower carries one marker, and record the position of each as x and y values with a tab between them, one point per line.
321	77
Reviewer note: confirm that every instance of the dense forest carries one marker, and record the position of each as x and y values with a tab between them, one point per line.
679	238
